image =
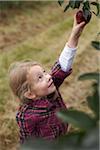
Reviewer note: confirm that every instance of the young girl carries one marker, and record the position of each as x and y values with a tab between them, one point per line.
39	94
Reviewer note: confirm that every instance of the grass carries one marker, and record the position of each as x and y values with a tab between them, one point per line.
33	48
30	50
36	46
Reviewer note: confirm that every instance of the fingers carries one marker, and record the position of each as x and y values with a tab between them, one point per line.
82	24
75	22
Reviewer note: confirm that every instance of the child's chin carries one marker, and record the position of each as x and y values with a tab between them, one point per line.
53	90
51	94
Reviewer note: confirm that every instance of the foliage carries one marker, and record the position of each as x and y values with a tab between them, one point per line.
96	43
83	4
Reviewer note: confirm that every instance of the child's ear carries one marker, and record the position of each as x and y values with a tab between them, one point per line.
29	95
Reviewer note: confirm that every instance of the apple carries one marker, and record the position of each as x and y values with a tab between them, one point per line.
83	16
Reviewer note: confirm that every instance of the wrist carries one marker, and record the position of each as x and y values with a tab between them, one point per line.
73	41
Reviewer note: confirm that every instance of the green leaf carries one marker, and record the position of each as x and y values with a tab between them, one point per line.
98	8
70	140
86	5
60	2
77	118
67	142
75	3
91	140
66	8
93	103
37	144
96	44
88	76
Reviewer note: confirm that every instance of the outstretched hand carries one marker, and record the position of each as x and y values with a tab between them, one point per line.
76	32
77	28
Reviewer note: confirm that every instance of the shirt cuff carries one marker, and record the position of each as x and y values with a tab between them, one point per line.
70	48
66	57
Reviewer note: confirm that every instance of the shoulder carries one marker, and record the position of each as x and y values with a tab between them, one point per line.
29	112
25	112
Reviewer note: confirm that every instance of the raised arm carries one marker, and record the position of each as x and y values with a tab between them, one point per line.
63	67
68	53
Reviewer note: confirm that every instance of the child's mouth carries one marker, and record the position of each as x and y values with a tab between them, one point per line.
50	84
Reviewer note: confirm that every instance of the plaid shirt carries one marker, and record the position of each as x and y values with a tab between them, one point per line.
38	118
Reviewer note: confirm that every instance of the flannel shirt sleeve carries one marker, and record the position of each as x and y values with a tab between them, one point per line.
58	75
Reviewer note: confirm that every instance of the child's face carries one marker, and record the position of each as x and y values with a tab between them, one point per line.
41	81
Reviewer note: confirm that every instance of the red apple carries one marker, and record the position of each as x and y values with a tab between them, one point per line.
83	16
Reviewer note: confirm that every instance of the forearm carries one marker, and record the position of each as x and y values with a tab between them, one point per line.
75	34
73	41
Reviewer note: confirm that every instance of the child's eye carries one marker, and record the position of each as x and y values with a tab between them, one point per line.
44	71
40	77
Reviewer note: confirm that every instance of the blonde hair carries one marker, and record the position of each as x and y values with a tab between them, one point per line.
18	78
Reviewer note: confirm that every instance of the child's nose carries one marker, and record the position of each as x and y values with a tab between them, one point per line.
49	77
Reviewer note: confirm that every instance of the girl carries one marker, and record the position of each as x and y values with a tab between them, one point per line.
39	94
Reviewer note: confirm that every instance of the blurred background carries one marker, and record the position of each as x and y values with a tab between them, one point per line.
39	30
